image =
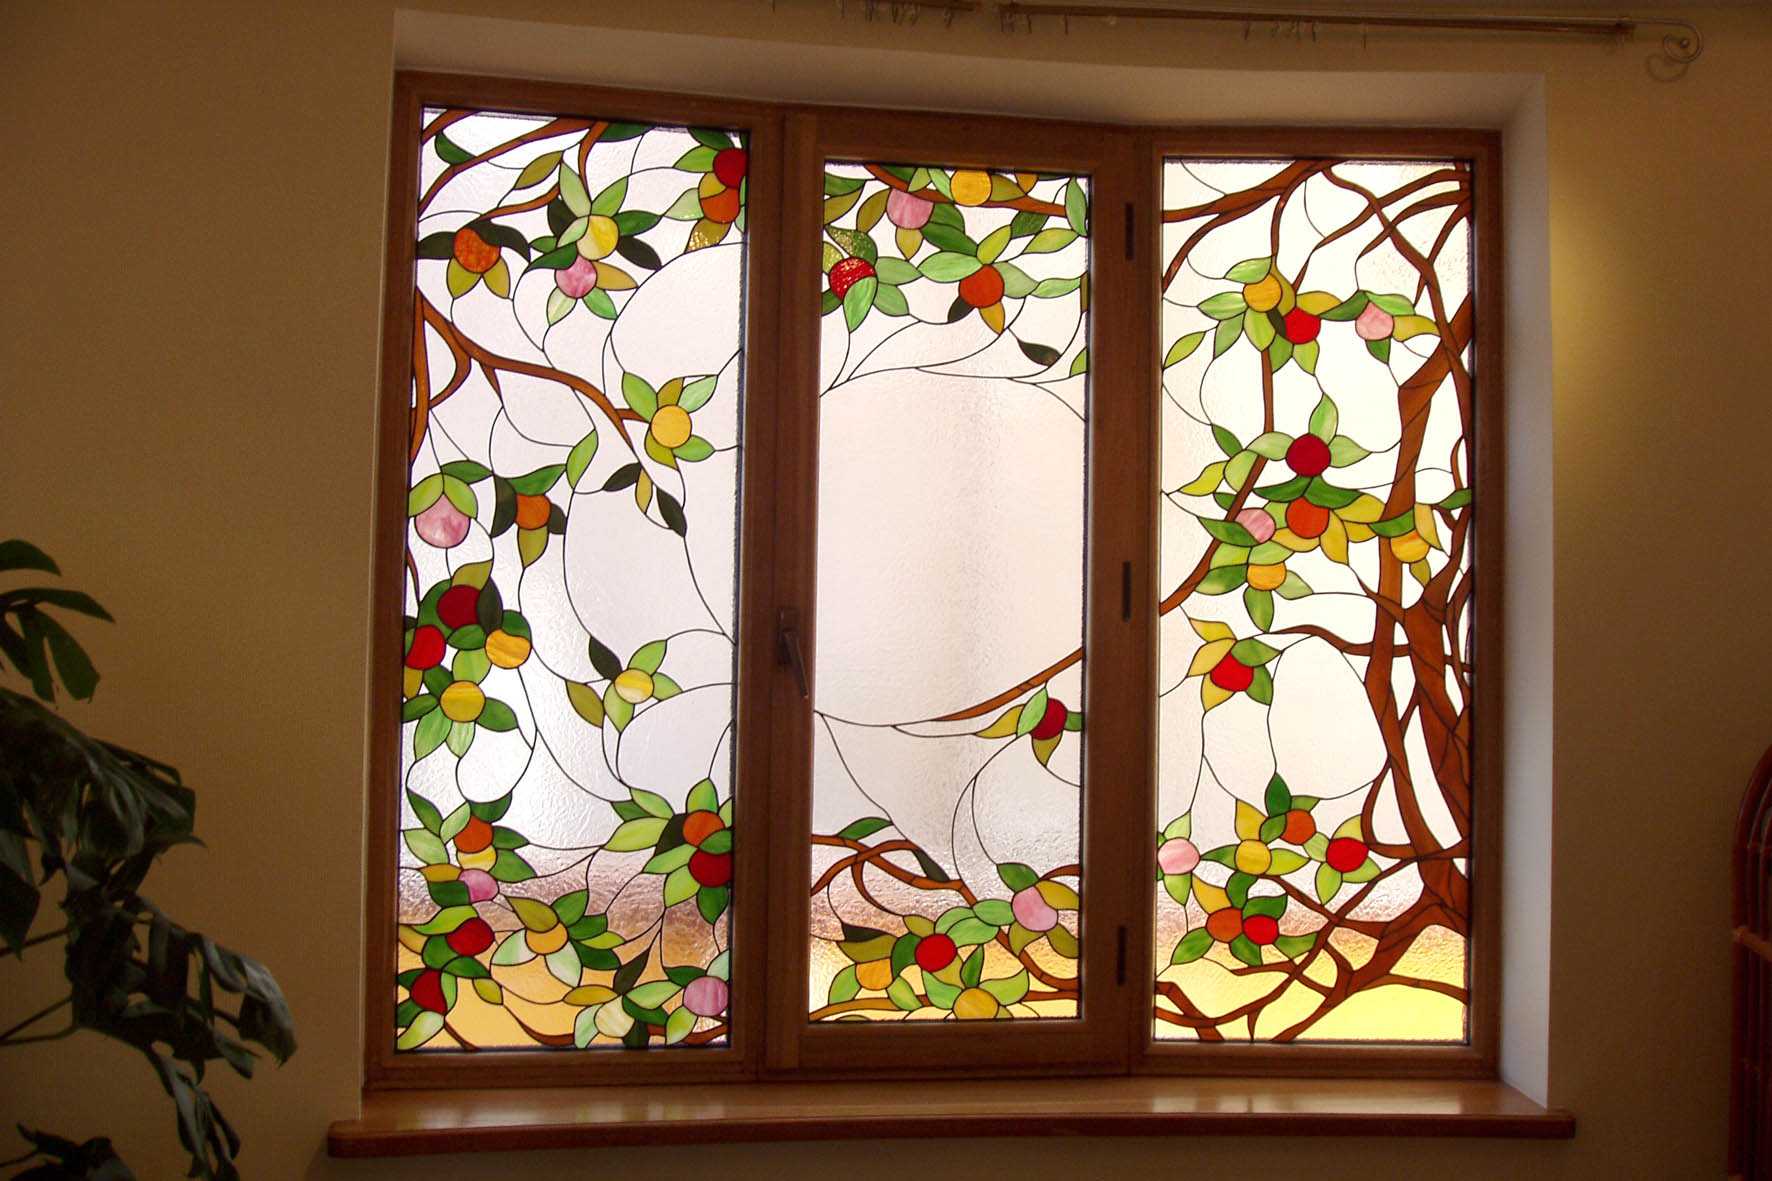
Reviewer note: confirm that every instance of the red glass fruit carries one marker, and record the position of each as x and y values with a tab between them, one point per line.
426	649
848	273
1261	929
711	869
1301	326
1345	854
474	836
1306	519
427	992
982	287
471	938
729	166
935	952
1232	675
1308	455
456	607
1051	723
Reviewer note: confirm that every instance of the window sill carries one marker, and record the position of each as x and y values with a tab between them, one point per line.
412	1123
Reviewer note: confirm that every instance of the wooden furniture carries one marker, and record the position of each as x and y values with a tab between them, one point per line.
1750	1075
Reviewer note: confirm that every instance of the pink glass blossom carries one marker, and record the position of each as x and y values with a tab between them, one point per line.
1374	323
1032	911
705	996
1258	522
1178	856
578	279
907	212
442	525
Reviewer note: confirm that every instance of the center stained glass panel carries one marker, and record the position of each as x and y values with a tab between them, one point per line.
947	713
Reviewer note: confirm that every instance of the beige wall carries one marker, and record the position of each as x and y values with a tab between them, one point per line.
193	201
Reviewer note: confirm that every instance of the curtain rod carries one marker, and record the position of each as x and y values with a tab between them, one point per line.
1680	46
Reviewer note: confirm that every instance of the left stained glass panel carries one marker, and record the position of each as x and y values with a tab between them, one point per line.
566	845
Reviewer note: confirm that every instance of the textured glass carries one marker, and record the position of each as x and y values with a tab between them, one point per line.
947	710
1314	774
566	860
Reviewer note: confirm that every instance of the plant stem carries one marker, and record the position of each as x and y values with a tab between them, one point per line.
7	1038
44	938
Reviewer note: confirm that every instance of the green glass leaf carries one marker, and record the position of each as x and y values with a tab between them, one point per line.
1053	288
1278	797
1222	580
1260	605
1261	687
1017	284
711	902
1244	949
426	846
1226	441
1076	207
1272	445
641	398
1191	947
1343	451
703	797
1324	419
432	729
1270	830
1237	888
844	986
1050	241
865	827
949	266
1032	712
972	970
1254	652
1306	355
1229	532
1348	309
696	159
1017	876
1457	500
680	884
1178	885
1250	270
993	244
1328	882
1226	305
1293	946
449	151
994	911
1183	348
1320	492
572	191
1259	328
496	716
635	835
858	300
903	995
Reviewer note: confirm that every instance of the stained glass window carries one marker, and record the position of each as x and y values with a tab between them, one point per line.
567	739
948	710
1314	778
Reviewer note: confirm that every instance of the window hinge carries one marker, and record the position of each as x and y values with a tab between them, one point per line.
1131	221
1120	956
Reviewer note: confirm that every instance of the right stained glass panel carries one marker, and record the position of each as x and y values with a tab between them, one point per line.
1314	773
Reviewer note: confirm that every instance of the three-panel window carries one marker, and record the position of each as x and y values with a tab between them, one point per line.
929	593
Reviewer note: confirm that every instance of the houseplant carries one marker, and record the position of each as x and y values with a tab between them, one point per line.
88	819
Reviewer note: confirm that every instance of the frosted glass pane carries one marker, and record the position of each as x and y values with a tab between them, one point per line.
1314	772
948	701
567	736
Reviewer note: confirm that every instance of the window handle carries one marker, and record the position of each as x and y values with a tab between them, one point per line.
787	645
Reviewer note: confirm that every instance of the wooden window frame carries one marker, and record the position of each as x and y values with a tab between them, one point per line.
770	1036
